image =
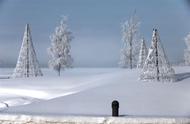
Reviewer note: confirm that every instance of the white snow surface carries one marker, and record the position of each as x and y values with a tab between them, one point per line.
85	91
25	119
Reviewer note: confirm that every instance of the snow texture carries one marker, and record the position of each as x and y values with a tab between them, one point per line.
142	54
60	50
129	54
187	51
27	64
157	66
89	92
26	119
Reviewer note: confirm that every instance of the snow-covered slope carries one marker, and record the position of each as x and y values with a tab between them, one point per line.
91	91
20	91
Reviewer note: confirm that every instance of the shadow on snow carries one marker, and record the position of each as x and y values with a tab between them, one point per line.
182	76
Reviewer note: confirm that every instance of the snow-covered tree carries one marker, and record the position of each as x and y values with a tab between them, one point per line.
187	51
142	54
157	66
60	50
27	64
129	54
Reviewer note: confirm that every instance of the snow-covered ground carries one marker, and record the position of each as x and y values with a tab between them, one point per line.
25	119
90	91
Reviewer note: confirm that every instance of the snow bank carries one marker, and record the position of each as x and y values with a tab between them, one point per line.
21	91
90	92
24	119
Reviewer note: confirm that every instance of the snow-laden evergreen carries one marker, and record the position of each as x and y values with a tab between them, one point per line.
60	50
27	64
142	54
129	54
157	66
187	51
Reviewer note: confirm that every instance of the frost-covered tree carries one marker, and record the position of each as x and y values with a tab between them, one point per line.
157	66
142	54
27	64
187	51
60	50
129	54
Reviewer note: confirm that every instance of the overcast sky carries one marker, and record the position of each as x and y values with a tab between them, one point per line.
96	26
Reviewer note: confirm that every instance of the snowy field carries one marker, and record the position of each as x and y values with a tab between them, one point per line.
90	91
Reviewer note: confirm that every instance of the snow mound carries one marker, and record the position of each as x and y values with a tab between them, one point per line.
92	94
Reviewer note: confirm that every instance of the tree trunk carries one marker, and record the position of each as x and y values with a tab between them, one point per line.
27	57
59	70
130	57
130	52
157	63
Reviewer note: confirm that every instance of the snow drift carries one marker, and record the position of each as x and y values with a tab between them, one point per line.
91	91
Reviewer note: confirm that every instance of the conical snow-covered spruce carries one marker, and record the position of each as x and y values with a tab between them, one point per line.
157	66
142	54
27	64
